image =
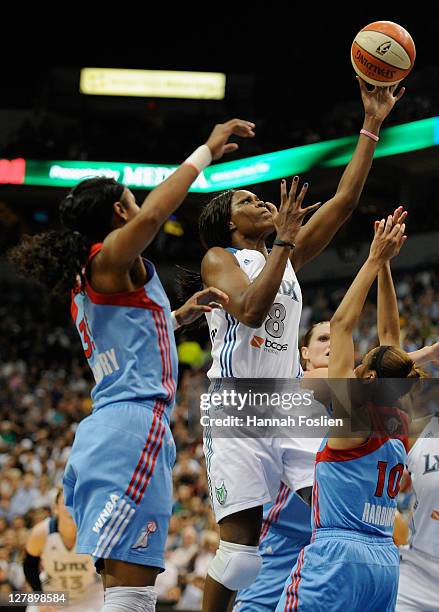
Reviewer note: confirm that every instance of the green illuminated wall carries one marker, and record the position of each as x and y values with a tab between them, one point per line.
261	168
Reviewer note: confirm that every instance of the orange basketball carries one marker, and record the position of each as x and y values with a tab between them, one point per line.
383	53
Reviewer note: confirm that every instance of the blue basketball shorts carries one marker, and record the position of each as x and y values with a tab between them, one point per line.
118	483
279	551
345	571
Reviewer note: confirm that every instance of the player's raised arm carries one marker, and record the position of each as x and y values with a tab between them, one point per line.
321	228
387	303
386	244
122	246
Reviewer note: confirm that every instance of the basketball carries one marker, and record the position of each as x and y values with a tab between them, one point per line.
383	53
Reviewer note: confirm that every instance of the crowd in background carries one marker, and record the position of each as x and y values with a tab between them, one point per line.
44	393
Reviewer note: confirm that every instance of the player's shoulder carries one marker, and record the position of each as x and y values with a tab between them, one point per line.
218	256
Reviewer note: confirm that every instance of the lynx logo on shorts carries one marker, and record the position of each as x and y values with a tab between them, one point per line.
142	542
221	494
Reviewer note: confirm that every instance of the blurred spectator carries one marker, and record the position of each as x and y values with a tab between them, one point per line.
24	497
193	594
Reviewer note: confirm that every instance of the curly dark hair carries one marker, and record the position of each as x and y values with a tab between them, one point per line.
56	258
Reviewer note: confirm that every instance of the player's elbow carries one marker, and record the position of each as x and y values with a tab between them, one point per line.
340	323
253	322
252	318
152	220
348	201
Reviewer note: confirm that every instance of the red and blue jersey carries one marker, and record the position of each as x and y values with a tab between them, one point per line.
128	340
356	489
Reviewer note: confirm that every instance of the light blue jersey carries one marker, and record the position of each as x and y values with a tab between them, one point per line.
356	489
352	562
128	341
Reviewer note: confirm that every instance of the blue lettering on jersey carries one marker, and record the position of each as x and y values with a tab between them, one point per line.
287	288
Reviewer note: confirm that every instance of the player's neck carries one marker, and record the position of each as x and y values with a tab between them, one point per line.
254	244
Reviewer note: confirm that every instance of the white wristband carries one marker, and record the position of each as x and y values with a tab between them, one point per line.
200	158
175	323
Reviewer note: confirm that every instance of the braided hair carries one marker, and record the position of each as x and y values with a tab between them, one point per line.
57	258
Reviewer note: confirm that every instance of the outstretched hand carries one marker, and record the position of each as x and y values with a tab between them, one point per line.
217	141
389	237
289	218
200	303
379	101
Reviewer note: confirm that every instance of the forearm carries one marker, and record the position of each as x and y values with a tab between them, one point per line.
124	245
388	314
349	311
326	222
424	355
352	182
258	297
165	199
31	571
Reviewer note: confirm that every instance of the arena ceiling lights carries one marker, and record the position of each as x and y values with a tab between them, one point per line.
153	83
248	171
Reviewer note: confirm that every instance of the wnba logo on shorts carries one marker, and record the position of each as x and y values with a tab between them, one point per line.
257	341
142	542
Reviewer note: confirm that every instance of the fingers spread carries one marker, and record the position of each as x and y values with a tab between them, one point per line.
302	194
294	185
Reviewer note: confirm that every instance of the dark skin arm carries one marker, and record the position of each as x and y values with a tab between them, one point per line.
322	227
250	301
118	266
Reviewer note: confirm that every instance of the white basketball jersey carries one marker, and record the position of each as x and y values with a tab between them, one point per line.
423	465
270	351
66	570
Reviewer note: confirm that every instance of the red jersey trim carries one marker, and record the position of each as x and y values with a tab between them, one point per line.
94	251
136	299
347	454
73	308
376	439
